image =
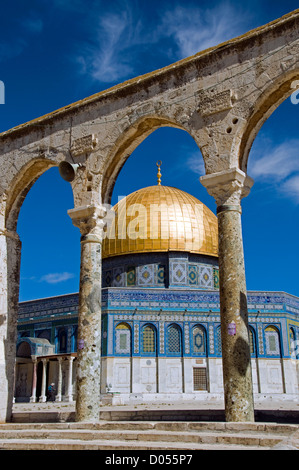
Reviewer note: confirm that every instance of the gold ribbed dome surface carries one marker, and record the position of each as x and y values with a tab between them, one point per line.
158	219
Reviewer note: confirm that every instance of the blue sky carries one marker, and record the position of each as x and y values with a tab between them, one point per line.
53	53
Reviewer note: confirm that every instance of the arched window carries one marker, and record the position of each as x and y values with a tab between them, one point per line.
74	338
123	339
24	350
272	341
148	339
292	334
62	341
174	339
198	340
294	345
46	334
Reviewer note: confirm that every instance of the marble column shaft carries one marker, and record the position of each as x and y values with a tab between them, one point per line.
34	381
43	396
59	381
89	220
69	396
10	257
228	188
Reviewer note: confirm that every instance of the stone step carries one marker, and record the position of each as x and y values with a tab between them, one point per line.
151	435
52	444
144	435
282	429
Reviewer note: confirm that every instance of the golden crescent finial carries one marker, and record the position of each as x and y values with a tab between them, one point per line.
159	163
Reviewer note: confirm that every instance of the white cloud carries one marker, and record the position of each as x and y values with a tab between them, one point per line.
195	29
121	39
55	278
290	188
277	165
196	164
275	162
110	58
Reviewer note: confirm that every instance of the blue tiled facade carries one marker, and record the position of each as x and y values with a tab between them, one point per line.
56	319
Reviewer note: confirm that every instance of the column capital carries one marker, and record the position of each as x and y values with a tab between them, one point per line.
10	234
228	187
89	219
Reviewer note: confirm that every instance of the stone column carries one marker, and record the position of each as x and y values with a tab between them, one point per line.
34	381
10	257
43	396
89	219
59	380
228	188
69	396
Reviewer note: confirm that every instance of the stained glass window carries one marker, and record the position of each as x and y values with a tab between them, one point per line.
272	341
148	339
123	339
199	340
174	339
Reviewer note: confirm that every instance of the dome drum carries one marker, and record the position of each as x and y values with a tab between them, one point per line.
161	270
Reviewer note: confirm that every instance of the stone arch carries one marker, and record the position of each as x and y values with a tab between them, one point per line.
24	350
129	140
267	103
20	186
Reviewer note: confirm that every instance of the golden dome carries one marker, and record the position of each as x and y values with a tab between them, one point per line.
161	218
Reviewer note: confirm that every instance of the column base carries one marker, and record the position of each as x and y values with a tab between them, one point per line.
42	399
69	398
32	400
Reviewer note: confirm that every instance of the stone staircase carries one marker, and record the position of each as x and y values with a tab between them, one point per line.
149	435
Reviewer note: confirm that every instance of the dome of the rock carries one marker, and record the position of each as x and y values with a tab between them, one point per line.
160	219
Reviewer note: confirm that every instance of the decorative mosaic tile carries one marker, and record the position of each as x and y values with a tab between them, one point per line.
107	278
192	275
136	338
161	274
216	278
206	277
145	275
178	273
187	341
118	277
131	276
211	339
